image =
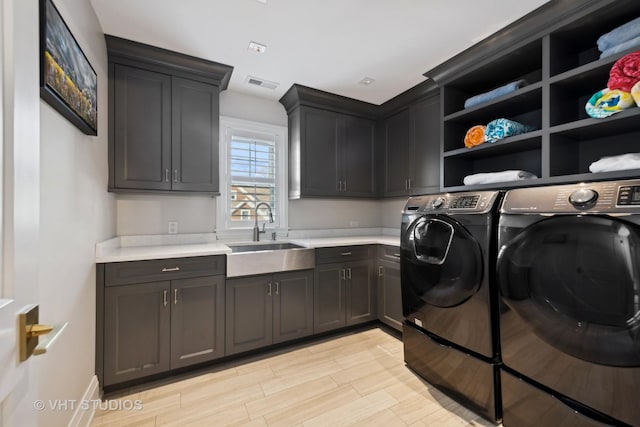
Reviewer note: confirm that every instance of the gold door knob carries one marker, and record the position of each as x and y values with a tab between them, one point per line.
29	330
38	330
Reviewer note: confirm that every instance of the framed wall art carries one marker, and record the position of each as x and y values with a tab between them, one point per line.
68	82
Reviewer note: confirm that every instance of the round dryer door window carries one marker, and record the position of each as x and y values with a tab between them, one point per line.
576	281
444	262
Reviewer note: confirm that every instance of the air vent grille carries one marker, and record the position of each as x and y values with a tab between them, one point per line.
257	81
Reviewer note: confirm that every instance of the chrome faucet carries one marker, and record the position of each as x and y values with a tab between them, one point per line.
256	229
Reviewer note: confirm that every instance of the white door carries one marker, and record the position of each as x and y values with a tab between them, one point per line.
19	190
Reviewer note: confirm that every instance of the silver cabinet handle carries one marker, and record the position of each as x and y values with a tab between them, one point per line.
175	296
346	253
396	255
175	175
164	270
269	291
277	288
165	295
381	271
166	175
408	183
349	273
342	274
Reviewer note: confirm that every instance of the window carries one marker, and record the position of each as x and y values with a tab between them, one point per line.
252	166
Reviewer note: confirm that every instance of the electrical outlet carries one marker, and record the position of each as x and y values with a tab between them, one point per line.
173	227
354	223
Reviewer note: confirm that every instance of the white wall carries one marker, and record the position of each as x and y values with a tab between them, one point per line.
76	211
310	214
391	212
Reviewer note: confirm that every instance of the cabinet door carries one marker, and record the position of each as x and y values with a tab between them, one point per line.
329	310
357	148
360	293
319	145
195	122
425	125
397	153
142	129
292	305
136	331
389	294
248	313
197	320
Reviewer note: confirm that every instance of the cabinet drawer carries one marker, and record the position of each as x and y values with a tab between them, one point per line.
390	253
342	253
123	273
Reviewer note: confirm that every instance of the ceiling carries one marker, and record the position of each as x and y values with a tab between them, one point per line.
329	45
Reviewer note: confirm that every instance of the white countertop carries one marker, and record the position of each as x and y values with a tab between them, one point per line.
113	251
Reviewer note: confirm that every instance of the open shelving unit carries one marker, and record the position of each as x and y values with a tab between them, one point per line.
563	69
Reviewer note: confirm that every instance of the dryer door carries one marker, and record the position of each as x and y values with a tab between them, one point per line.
441	263
576	281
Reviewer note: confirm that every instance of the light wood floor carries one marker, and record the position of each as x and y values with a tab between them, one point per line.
353	379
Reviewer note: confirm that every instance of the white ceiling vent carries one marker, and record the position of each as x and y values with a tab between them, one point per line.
257	81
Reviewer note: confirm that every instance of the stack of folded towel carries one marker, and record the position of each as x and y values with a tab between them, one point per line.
622	91
620	39
503	176
494	131
616	163
495	93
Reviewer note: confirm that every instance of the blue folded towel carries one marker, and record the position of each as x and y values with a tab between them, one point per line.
502	128
495	93
619	35
621	47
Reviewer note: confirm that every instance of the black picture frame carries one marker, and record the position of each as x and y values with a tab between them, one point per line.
68	82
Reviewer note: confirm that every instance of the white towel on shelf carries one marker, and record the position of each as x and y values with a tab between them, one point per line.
503	176
616	163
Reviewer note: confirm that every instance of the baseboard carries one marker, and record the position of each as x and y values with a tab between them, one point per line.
82	416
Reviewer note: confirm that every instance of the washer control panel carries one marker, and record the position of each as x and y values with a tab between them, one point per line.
476	202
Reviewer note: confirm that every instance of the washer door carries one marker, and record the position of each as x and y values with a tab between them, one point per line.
442	263
576	281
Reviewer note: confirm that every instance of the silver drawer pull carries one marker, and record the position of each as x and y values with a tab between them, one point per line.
346	253
164	297
164	270
175	296
396	255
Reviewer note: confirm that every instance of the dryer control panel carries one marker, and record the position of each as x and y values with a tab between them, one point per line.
619	197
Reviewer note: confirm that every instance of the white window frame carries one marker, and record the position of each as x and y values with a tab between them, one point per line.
225	228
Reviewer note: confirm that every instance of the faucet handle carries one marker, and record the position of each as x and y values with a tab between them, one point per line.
273	235
264	227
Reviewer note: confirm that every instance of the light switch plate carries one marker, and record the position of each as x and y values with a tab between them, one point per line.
173	227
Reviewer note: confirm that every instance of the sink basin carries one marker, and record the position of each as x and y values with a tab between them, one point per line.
255	247
259	258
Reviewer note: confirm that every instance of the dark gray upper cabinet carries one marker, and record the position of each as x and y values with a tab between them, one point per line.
268	309
163	119
411	148
331	145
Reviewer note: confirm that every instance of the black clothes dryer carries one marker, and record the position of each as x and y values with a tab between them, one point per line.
569	274
449	298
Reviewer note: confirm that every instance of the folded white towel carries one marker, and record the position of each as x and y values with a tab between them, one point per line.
616	163
491	177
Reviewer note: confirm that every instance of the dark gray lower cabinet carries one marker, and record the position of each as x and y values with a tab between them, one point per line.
389	294
343	295
137	337
153	327
268	309
197	320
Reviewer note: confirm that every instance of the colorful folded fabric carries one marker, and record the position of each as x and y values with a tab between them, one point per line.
495	93
635	93
502	128
635	42
616	163
607	102
625	72
503	176
474	136
619	35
